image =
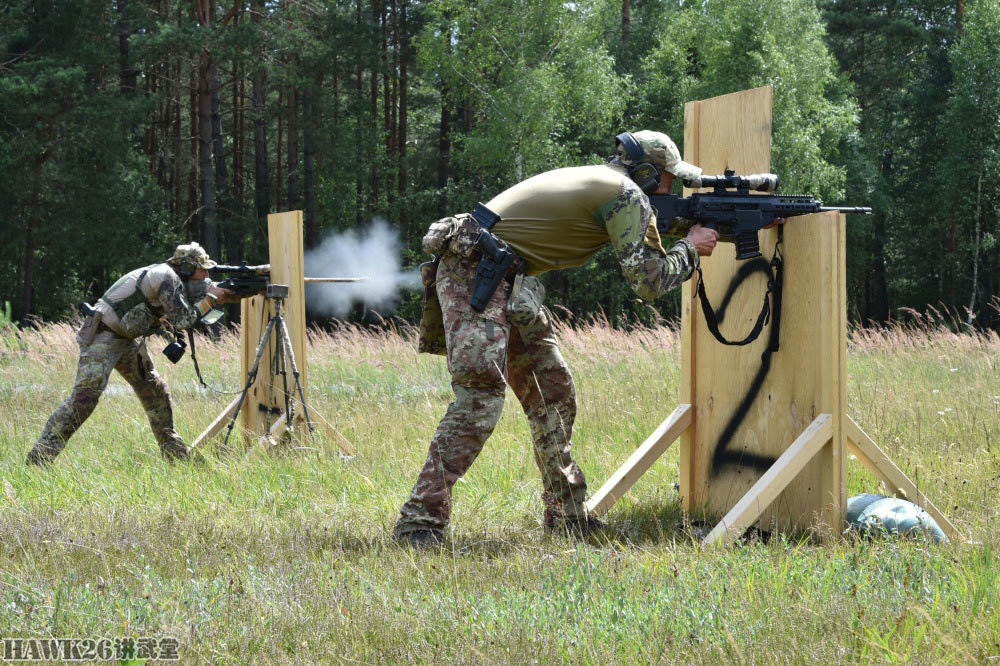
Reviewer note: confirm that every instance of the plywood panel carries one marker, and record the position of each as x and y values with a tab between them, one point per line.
285	246
750	404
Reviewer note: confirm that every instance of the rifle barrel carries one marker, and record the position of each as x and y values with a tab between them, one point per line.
860	210
333	279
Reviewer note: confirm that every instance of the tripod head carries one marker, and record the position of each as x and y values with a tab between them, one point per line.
277	291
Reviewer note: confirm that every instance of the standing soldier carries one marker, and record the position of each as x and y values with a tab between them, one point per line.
114	337
557	219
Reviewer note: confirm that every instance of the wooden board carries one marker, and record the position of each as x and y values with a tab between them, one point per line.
640	461
287	267
784	471
749	406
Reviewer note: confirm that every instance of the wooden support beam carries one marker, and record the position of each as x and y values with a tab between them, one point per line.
215	426
895	481
342	443
774	481
640	461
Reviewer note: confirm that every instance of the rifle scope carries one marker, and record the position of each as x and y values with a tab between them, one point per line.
261	270
758	182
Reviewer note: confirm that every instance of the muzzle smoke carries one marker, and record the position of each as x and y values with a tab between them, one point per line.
373	254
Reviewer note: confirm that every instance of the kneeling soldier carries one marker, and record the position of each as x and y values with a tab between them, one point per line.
113	337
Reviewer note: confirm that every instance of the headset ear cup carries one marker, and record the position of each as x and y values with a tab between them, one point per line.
187	268
646	176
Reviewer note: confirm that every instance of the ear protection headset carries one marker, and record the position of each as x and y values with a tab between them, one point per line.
641	170
186	268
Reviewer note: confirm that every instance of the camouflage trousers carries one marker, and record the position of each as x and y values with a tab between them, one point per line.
108	351
485	355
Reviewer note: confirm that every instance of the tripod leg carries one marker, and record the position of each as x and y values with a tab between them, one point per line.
251	376
290	353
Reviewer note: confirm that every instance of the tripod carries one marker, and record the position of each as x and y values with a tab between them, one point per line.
283	354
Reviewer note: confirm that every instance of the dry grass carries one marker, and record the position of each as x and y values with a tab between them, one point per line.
287	558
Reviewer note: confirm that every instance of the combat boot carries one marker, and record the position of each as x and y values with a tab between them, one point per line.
575	526
420	539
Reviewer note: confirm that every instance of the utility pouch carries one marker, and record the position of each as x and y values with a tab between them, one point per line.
464	242
89	328
525	301
432	337
438	234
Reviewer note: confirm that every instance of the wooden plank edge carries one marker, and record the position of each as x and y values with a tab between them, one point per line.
895	480
216	425
640	461
788	465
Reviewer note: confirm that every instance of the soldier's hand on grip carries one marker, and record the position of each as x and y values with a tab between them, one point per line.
704	239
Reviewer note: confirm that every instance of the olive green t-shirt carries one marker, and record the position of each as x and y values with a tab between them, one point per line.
562	218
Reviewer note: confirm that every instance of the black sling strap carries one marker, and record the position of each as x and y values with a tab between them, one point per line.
771	307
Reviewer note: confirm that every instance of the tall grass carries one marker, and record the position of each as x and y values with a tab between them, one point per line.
287	557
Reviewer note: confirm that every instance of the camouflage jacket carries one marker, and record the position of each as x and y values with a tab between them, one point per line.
133	306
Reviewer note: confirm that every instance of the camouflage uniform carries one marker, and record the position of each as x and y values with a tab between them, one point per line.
488	351
113	342
485	354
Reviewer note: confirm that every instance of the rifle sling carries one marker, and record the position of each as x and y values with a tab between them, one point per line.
771	305
194	357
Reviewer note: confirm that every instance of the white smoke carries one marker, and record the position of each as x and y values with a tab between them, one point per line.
372	254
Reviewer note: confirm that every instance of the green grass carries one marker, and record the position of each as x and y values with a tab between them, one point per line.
287	558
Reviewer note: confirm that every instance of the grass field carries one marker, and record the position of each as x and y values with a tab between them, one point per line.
287	558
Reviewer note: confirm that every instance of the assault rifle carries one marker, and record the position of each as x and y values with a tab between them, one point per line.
735	213
245	280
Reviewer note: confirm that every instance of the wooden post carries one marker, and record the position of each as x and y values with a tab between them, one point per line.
750	403
265	402
763	430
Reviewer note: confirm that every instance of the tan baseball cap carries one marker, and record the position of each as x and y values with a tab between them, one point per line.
192	252
664	154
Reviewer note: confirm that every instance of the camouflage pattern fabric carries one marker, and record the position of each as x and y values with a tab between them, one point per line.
119	345
431	338
109	351
165	292
485	353
631	225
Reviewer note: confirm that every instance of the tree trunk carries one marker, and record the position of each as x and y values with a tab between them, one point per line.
626	19
194	210
34	209
129	75
444	152
207	76
262	205
401	138
308	152
977	243
293	150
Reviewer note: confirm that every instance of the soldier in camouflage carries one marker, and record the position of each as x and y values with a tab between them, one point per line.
114	338
557	219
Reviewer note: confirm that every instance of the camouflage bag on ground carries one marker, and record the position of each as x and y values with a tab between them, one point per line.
525	300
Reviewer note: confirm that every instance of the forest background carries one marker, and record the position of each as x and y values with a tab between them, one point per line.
129	126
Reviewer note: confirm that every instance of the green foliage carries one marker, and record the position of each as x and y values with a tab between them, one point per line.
887	103
6	321
716	48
